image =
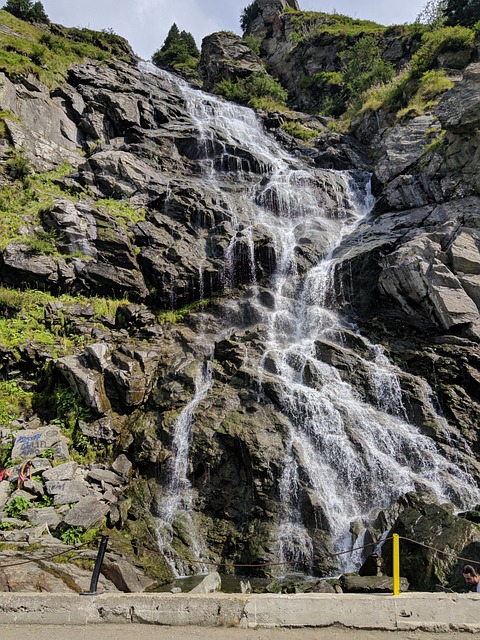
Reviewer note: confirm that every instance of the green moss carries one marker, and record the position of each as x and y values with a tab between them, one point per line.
14	402
298	130
122	211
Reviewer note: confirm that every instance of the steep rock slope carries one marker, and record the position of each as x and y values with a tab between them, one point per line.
206	212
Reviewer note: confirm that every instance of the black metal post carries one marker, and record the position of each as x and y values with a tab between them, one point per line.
96	569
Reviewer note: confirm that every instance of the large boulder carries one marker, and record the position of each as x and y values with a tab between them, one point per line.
226	56
431	540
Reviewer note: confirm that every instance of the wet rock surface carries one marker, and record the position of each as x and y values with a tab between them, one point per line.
406	277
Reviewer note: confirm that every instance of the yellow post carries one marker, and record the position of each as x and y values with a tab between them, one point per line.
396	564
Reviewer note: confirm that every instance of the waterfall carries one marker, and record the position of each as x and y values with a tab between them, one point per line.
177	500
344	456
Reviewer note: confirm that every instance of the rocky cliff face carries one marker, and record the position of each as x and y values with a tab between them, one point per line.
201	434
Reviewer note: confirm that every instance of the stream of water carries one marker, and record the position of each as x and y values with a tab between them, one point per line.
350	455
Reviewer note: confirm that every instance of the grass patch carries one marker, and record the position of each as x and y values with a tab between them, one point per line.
14	402
307	25
48	55
298	130
22	319
415	90
22	202
178	315
122	211
431	85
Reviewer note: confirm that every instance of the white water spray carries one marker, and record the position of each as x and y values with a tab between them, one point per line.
343	454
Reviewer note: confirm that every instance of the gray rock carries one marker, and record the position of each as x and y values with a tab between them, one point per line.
464	252
371	584
45	516
226	56
66	491
5	490
87	513
100	475
125	576
64	471
459	109
87	382
33	442
211	583
122	466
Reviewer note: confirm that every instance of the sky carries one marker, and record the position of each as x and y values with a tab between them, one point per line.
145	23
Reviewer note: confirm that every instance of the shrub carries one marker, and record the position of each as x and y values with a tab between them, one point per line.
253	42
253	89
17	506
18	165
364	67
436	42
298	130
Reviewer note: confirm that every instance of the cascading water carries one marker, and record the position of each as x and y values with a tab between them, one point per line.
177	499
347	456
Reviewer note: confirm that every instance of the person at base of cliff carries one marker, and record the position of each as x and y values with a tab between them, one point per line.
25	473
5	474
471	577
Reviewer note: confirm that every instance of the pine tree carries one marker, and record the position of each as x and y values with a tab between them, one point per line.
463	12
19	8
38	14
179	48
26	10
432	13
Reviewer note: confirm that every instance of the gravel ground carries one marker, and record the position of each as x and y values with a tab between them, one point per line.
147	632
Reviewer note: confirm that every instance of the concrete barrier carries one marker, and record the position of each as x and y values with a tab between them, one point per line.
426	611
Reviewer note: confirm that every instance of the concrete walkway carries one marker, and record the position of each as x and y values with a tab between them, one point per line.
409	611
146	632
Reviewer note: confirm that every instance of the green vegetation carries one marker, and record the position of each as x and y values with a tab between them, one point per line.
27	10
415	90
23	202
179	52
14	402
178	315
252	42
76	535
22	322
17	506
48	55
308	25
253	91
431	85
462	12
363	68
298	130
248	16
18	166
123	212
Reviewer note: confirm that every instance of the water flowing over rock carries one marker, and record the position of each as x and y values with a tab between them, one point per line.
329	365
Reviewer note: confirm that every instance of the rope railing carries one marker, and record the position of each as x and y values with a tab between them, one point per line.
395	538
74	549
